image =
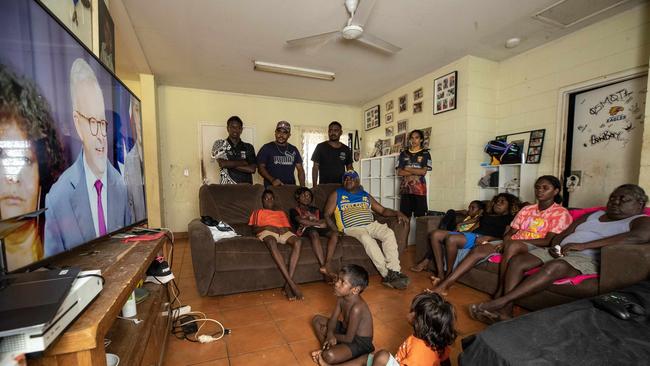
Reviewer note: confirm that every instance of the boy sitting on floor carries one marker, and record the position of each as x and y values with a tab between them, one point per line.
272	227
348	339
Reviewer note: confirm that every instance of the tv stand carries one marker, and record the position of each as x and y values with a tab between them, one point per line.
123	265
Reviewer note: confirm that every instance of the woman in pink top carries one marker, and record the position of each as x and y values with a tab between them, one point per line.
534	226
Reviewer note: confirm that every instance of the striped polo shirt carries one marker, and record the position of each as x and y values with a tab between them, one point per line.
352	209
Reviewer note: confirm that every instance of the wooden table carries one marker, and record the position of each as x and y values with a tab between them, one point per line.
123	266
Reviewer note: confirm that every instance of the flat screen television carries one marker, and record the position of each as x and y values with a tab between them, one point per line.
70	140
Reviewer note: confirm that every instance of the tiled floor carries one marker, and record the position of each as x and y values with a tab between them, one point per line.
269	330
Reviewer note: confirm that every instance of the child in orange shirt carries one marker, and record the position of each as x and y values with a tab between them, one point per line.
433	321
272	227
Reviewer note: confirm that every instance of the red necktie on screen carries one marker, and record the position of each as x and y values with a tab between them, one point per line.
100	208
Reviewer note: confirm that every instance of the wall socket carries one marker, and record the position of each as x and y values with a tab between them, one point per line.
186	172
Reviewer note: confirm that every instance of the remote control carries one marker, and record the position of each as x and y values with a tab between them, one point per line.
620	305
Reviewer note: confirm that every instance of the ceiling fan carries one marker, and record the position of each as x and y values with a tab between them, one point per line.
353	30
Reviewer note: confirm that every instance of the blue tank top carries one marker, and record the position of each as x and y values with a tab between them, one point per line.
352	209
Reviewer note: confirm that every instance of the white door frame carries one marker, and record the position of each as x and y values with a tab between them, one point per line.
563	110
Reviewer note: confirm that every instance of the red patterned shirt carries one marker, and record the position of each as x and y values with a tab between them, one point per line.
531	223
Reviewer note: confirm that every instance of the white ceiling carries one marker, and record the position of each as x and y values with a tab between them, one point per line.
211	44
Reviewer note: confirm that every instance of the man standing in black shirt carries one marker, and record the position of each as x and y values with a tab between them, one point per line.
331	158
240	162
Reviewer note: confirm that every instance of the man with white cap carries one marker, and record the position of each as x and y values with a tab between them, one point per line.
352	208
278	159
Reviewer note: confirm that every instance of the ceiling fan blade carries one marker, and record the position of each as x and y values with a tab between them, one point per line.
312	39
379	43
363	12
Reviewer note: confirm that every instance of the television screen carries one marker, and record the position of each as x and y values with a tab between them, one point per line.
70	139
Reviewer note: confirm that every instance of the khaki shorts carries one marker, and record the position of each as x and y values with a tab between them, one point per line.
585	264
282	239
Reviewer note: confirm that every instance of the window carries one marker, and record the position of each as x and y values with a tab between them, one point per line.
310	138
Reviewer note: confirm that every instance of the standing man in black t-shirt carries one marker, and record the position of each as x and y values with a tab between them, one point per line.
331	158
240	163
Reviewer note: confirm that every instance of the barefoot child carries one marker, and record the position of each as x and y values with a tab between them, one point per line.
351	337
272	227
491	226
534	226
448	222
432	319
307	222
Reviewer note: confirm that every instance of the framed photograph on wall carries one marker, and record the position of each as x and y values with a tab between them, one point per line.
402	126
444	93
390	131
403	103
400	139
417	107
427	137
418	94
106	36
389	117
371	119
389	105
535	146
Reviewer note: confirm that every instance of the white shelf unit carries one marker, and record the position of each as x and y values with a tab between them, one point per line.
379	179
518	179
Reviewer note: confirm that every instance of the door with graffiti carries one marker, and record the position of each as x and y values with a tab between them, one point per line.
604	140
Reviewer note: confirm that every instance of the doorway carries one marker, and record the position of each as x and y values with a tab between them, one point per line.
604	138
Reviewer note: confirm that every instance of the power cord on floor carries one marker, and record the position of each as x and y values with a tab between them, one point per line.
185	327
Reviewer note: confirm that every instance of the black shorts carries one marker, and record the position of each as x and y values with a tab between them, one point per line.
359	345
413	204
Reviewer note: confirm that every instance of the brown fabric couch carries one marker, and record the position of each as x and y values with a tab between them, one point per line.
244	263
620	266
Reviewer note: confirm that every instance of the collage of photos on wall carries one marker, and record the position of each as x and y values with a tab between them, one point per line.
444	93
371	118
535	145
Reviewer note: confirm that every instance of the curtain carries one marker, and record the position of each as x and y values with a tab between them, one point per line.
311	136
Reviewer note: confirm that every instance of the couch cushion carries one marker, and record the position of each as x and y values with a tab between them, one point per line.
322	192
248	252
232	203
284	196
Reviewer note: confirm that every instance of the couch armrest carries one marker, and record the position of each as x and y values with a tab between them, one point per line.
623	265
424	225
401	230
203	254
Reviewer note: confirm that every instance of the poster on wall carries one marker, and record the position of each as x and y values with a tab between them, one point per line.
106	36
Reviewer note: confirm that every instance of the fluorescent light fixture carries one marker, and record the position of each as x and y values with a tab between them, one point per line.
293	70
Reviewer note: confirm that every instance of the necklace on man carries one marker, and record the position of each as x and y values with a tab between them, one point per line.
280	151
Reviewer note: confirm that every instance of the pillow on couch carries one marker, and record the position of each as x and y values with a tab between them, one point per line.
577	213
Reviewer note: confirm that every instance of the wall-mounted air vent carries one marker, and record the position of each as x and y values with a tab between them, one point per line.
566	13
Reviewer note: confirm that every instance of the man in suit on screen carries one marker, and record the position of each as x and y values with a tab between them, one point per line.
89	199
